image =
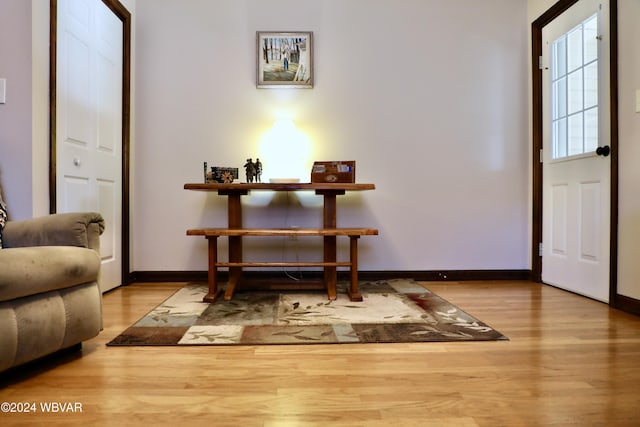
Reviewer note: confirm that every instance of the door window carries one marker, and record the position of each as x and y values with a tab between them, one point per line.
574	82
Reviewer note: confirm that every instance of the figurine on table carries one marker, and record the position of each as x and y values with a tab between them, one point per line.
250	170
258	170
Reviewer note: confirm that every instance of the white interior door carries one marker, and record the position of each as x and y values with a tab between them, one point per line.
89	122
576	138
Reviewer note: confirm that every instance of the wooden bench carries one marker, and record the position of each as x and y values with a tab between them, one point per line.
212	234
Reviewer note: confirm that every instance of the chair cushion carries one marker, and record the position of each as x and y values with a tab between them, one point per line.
38	269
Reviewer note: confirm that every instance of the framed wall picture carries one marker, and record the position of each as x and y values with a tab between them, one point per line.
284	59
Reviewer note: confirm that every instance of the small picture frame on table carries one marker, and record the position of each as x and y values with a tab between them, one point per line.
284	59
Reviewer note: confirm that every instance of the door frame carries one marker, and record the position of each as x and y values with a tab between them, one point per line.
537	120
124	15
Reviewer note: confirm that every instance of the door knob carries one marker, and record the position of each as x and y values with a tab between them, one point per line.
603	151
76	161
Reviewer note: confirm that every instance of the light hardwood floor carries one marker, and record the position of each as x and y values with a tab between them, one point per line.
570	361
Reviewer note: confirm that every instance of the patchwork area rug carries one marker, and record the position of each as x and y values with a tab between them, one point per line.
392	311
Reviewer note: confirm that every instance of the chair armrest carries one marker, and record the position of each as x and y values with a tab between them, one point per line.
66	229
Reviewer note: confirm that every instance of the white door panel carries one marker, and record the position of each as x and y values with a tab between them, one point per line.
589	234
76	128
559	215
89	122
81	200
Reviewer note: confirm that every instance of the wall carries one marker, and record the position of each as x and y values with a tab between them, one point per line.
40	107
629	134
427	96
629	151
15	115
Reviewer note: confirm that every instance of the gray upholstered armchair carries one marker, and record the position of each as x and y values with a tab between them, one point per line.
49	293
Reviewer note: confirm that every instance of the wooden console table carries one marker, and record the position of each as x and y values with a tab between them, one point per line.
235	232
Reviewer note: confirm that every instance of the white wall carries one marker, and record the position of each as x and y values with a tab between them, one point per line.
40	101
629	151
428	96
15	114
24	119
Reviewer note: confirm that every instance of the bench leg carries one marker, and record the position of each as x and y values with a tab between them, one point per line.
235	273
353	291
213	294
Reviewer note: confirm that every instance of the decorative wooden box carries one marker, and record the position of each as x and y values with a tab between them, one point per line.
219	174
340	171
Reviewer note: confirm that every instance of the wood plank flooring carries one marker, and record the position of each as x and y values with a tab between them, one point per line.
570	361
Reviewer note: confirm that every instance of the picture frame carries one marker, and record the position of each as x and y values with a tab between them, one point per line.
284	59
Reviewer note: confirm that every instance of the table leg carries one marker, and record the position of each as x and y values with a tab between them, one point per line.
329	221
231	286
234	215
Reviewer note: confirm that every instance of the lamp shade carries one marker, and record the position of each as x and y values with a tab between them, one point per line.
285	152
